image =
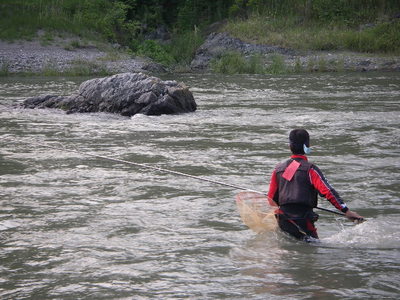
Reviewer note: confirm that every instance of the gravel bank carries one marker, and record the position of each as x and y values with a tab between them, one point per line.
35	57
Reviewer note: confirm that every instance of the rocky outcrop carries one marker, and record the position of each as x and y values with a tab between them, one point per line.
217	44
126	94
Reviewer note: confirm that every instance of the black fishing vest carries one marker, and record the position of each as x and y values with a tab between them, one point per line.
299	189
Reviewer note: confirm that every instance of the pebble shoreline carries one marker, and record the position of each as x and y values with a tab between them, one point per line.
33	57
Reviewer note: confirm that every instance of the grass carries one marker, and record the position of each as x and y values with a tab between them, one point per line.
86	68
236	63
275	64
99	20
184	45
77	68
177	54
291	32
4	68
334	26
22	19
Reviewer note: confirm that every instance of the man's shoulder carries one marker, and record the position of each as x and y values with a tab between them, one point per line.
304	164
282	165
314	167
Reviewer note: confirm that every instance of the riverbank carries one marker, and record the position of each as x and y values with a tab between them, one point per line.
72	57
284	60
69	57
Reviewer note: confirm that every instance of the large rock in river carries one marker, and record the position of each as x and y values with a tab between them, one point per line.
126	94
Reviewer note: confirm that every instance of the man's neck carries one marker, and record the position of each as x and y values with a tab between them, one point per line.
301	156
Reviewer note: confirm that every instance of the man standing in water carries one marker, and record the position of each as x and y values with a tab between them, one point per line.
295	185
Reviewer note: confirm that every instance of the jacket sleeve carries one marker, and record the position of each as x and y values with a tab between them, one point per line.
273	192
319	181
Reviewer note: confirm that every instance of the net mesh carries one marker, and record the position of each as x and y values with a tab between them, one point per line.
256	211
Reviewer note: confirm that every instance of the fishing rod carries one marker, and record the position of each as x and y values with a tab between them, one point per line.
145	166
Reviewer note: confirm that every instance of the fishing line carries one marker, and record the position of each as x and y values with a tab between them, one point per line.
171	172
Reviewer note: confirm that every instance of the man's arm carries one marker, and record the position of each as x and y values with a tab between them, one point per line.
319	181
326	190
273	193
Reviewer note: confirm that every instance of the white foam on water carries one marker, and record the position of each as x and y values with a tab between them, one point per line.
374	233
7	224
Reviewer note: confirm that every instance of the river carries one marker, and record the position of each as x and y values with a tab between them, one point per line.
73	226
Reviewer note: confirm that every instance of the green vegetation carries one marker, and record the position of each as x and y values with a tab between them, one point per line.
4	69
155	51
356	25
232	63
23	18
126	22
77	68
379	38
235	63
85	68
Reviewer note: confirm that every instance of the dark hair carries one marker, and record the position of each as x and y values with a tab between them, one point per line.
298	138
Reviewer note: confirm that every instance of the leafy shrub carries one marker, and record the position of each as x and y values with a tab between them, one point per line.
229	63
184	45
383	38
4	65
277	65
155	51
236	63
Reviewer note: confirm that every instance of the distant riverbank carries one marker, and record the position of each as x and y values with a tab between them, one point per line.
75	58
69	57
222	51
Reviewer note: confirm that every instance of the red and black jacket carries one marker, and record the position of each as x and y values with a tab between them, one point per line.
296	181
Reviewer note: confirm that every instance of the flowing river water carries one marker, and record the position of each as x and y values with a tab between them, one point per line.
78	227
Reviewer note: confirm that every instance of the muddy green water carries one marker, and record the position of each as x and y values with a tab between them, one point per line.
77	227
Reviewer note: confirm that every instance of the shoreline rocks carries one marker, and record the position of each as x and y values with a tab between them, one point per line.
218	43
34	57
326	61
126	94
74	57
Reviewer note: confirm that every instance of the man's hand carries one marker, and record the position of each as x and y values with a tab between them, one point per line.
353	216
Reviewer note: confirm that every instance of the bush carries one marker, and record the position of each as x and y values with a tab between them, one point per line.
229	63
4	65
383	38
23	18
183	46
288	32
235	63
277	65
155	51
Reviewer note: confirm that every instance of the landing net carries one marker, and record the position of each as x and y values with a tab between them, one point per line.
256	211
